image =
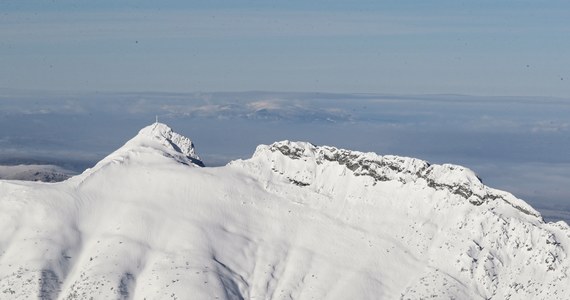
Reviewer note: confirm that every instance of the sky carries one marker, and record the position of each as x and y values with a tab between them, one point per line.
412	47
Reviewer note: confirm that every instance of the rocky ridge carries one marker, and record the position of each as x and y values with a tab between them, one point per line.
453	178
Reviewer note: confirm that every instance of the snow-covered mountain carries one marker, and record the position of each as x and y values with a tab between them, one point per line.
46	173
295	221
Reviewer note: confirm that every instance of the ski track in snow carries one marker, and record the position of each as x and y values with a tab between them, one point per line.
295	221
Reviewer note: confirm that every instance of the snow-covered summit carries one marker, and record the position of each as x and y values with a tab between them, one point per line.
165	136
454	179
149	145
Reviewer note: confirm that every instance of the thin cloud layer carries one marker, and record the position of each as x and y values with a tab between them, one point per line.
259	110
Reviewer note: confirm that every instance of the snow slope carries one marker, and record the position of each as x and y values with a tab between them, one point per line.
295	221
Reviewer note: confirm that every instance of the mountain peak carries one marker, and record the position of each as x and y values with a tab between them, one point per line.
453	179
157	138
166	137
156	129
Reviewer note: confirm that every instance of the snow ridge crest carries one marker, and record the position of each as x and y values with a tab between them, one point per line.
453	178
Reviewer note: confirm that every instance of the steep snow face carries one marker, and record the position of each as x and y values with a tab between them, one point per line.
295	221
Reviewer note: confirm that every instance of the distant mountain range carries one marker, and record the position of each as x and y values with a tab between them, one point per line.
295	221
45	173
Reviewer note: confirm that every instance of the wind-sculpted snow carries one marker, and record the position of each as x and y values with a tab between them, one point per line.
295	221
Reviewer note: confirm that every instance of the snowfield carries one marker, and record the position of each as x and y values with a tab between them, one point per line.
295	221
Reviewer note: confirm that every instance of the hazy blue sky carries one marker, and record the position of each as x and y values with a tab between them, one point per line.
468	47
